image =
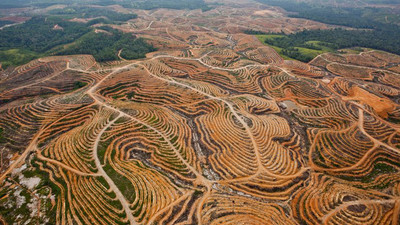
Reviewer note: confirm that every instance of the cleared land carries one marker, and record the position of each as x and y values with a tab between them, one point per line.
213	128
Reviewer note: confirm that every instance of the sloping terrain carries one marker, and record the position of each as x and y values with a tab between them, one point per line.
213	128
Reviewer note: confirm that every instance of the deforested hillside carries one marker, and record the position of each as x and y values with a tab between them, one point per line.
186	117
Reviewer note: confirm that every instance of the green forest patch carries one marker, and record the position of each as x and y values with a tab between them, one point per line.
53	35
108	15
305	51
105	46
13	57
373	27
142	4
264	37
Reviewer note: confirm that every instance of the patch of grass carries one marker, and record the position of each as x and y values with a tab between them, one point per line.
270	36
303	51
320	45
123	183
312	53
102	148
15	57
264	37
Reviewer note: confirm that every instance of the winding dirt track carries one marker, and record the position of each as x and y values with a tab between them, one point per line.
110	182
241	174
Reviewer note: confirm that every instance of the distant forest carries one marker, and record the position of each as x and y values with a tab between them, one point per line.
43	36
371	32
169	4
108	15
105	46
5	22
143	4
38	35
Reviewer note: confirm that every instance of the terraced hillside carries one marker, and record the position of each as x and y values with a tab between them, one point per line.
213	128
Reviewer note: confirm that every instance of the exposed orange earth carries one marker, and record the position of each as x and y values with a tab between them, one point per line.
381	105
198	131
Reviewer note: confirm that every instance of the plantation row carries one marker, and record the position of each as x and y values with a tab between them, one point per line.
201	133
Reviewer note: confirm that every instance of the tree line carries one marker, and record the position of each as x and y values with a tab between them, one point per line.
370	32
105	46
47	35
